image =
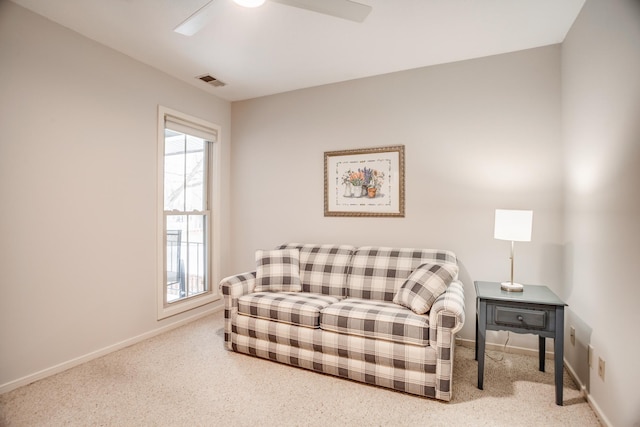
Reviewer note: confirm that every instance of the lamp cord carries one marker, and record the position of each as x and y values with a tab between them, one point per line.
504	347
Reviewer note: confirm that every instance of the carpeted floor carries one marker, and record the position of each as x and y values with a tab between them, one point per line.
186	378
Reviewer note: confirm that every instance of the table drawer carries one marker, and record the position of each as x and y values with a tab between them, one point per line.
520	317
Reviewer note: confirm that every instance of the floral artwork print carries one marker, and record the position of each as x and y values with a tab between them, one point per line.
365	182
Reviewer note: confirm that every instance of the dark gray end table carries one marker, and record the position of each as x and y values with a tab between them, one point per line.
535	310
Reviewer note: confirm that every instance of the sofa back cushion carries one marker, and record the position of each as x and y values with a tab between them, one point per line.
378	272
323	268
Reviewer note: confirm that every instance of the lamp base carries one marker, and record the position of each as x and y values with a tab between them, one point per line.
511	287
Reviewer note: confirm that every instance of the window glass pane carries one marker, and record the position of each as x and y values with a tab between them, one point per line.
176	233
195	174
174	171
197	267
185	256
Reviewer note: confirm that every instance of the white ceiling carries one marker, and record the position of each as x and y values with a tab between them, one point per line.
277	48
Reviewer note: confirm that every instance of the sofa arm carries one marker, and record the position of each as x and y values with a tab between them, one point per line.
446	316
232	288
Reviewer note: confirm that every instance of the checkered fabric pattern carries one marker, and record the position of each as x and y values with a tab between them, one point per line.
377	272
278	270
297	308
424	285
421	370
388	353
232	288
323	268
376	319
446	316
396	378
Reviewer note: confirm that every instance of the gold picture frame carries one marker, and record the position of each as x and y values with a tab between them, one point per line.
364	182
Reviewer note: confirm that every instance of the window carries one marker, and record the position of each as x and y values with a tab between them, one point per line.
188	180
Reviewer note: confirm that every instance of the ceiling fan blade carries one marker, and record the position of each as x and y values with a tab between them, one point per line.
345	9
197	21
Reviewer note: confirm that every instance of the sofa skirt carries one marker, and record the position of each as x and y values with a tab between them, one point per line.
402	367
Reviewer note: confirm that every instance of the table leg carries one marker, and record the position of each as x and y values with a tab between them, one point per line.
476	354
542	350
558	343
480	342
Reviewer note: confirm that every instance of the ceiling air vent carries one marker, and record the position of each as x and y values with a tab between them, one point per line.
212	80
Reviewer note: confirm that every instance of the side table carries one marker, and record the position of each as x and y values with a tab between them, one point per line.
535	310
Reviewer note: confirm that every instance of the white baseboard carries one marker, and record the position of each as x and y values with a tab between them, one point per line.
548	355
507	349
12	385
601	417
590	400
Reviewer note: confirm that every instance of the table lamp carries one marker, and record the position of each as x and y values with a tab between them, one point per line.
513	225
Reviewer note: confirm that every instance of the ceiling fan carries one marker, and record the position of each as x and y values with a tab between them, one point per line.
345	9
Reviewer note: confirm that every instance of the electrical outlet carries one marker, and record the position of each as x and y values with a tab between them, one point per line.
601	368
590	355
572	334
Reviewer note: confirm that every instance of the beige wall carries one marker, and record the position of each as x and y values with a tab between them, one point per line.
478	135
78	192
601	133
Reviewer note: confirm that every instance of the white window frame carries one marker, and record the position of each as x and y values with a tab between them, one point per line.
214	176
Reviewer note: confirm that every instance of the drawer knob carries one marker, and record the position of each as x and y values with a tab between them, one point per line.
520	318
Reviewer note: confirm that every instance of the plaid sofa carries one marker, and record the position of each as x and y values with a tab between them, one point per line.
344	321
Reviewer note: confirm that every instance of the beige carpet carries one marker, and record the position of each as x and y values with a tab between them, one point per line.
186	378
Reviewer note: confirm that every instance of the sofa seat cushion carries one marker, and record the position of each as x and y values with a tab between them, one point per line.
376	319
297	308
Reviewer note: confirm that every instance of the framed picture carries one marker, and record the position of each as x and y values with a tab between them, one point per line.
364	182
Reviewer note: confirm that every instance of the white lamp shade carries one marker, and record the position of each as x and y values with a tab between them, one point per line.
513	225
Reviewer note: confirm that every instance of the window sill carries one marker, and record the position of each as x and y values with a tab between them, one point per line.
168	310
